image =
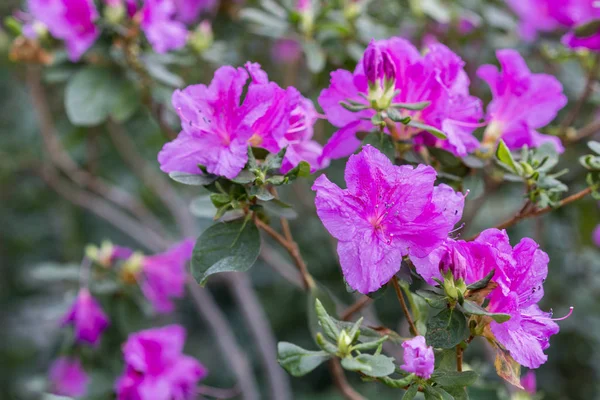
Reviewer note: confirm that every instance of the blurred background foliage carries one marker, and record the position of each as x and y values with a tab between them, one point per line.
42	236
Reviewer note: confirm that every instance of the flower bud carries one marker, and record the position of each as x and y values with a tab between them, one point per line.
388	66
373	63
344	344
454	262
202	38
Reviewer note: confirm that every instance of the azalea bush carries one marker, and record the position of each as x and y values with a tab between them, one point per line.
301	199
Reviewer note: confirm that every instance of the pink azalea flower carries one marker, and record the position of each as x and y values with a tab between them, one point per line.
163	275
156	369
519	272
217	130
385	213
437	77
583	12
69	20
418	357
596	236
162	30
286	51
189	10
87	318
529	382
541	15
68	378
522	103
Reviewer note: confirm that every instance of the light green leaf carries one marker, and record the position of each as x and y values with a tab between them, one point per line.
203	207
298	361
434	131
470	307
192	179
371	365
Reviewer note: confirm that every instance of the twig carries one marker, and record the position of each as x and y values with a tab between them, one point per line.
341	382
362	302
61	158
587	130
279	385
459	358
413	328
292	248
532	212
587	91
222	333
218	393
156	182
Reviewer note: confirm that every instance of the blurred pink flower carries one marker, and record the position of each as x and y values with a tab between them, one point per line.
87	318
68	378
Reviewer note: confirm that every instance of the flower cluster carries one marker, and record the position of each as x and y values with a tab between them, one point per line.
519	272
76	21
155	367
217	127
437	77
549	15
386	212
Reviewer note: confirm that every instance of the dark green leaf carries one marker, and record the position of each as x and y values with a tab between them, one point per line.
411	392
382	142
454	378
261	192
244	176
470	307
371	365
436	393
192	179
459	393
447	329
229	246
301	170
399	383
434	131
480	284
298	361
434	299
588	29
412	106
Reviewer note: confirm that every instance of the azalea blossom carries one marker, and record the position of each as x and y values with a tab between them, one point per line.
386	212
529	382
217	129
72	21
68	378
189	10
437	77
87	318
519	272
523	102
162	30
418	357
156	369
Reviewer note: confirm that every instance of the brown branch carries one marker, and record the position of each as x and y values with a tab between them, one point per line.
459	358
362	302
533	212
154	181
292	248
260	328
341	382
218	393
587	92
62	159
400	296
590	129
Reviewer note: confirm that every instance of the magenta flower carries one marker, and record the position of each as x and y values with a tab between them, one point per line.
68	378
522	102
189	10
582	12
529	382
519	272
541	15
156	369
385	213
87	318
418	357
217	130
596	236
286	51
69	20
438	77
163	275
162	30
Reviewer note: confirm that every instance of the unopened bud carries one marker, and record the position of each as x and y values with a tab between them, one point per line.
389	67
373	63
344	343
202	38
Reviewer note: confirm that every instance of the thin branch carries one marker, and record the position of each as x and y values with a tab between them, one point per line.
154	181
459	358
257	321
222	333
341	382
590	129
533	212
218	393
362	302
587	92
62	159
412	325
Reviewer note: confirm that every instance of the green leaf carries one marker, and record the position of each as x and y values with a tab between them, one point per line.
261	193
203	207
298	361
315	56
326	322
399	383
434	131
412	106
411	392
504	155
436	393
93	94
470	307
229	246
480	284
318	292
454	378
396	116
434	299
273	161
192	179
588	29
594	146
371	365
244	176
278	208
459	393
447	329
302	170
382	142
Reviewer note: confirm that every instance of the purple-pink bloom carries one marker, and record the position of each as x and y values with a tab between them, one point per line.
68	378
386	212
541	15
529	382
87	318
581	13
437	77
162	30
418	357
596	236
286	51
69	20
522	103
189	10
163	275
156	369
